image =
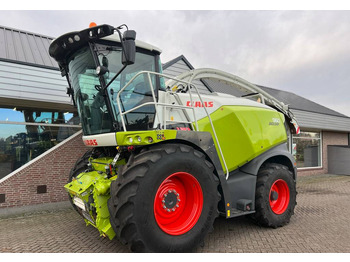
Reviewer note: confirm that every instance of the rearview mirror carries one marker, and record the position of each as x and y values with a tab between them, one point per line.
129	47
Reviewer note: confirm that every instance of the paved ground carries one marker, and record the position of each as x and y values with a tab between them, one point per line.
321	224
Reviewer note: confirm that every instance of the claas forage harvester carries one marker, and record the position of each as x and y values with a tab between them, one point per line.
165	159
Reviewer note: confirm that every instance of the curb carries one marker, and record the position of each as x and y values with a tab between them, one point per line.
24	210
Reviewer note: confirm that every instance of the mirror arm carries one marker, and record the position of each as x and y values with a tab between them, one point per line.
114	77
121	39
70	90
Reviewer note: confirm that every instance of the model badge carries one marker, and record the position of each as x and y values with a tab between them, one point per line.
275	122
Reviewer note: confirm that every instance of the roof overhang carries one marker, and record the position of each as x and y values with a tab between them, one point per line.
318	121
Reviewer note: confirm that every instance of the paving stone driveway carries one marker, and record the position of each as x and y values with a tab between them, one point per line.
321	224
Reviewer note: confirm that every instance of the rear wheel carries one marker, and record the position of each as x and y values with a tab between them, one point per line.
165	201
275	196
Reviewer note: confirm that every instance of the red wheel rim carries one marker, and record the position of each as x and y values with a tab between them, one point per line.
279	196
178	203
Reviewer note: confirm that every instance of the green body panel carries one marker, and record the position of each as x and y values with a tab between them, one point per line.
96	184
139	138
244	132
101	163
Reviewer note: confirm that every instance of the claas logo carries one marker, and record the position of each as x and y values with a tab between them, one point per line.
199	104
90	142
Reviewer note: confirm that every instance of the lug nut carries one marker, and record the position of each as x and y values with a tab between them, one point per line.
168	210
164	206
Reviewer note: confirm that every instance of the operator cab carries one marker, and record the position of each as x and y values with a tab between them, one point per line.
98	64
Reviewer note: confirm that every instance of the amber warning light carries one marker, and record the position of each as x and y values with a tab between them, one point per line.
92	24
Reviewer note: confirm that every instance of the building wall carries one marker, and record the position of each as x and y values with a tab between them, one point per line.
328	138
30	84
51	169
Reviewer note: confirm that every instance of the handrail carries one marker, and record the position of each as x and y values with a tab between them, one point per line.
189	84
205	73
240	83
153	96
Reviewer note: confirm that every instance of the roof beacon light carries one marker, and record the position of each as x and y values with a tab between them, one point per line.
92	24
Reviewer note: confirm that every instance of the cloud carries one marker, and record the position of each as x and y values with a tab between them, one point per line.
305	52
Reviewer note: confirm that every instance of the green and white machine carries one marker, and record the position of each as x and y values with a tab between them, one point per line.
165	160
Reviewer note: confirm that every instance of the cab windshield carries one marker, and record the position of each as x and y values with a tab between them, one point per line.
91	98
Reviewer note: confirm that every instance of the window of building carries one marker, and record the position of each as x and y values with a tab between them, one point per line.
306	148
37	116
27	133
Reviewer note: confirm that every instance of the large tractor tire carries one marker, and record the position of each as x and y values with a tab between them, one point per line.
166	199
80	166
275	196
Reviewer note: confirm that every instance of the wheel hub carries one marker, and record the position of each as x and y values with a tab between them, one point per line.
274	196
171	200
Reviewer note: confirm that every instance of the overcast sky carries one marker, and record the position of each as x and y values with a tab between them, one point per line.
304	52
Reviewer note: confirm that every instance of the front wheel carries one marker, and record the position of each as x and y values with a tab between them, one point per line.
275	196
165	201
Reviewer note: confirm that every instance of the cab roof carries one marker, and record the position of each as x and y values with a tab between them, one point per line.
140	44
62	47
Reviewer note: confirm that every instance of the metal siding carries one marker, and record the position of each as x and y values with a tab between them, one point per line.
33	87
221	87
11	53
31	77
42	51
2	43
25	47
31	73
180	67
311	120
46	43
18	46
36	52
32	83
176	69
